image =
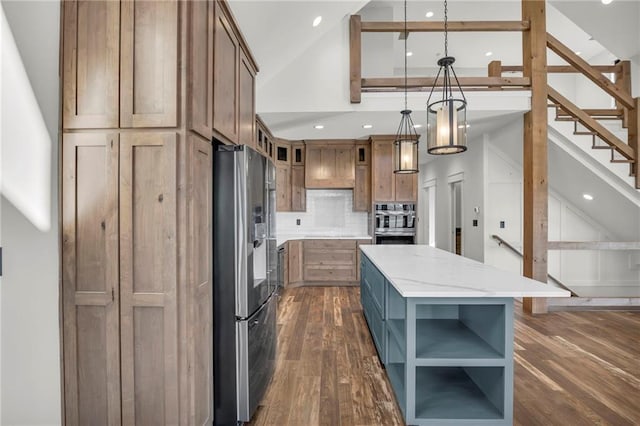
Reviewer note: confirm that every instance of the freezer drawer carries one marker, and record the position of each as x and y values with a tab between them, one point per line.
256	342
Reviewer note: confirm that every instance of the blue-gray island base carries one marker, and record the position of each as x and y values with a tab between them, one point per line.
449	359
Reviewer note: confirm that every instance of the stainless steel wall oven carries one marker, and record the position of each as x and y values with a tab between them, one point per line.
394	223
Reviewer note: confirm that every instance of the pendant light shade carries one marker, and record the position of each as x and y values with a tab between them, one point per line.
447	117
406	146
406	141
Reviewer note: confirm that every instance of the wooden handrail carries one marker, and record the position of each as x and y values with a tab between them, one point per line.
591	73
452	26
501	242
591	124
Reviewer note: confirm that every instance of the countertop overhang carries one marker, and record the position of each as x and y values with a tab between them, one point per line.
424	271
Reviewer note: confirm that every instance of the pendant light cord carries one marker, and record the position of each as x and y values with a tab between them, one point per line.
406	36
446	27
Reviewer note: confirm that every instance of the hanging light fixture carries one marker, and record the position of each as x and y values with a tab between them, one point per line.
406	141
447	117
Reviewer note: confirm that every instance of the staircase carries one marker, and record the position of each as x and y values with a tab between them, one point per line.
589	122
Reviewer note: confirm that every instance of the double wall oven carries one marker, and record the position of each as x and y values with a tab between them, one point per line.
394	223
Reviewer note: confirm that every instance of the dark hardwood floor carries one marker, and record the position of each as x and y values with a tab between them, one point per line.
571	368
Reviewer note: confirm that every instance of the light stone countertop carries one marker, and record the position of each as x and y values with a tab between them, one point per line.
424	271
283	238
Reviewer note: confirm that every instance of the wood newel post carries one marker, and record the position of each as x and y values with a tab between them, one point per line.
355	58
535	181
623	81
494	69
634	139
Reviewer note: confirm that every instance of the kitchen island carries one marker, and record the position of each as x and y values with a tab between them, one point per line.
443	328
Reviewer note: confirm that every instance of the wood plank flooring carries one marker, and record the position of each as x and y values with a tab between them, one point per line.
571	368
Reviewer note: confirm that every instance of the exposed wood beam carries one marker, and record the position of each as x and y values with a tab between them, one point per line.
593	245
592	74
452	26
427	89
591	124
559	69
428	82
535	166
598	112
355	58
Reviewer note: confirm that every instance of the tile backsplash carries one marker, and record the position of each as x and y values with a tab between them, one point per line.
329	211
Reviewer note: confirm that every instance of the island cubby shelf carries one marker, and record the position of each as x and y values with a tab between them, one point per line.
449	359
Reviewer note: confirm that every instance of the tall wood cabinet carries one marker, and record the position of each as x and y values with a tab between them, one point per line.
138	113
385	185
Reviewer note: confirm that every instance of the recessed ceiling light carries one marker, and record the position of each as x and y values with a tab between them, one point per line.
429	14
409	53
606	1
417	126
578	53
367	126
488	54
318	126
317	21
587	197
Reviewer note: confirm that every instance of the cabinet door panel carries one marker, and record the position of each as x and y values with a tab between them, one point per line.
283	189
148	278
298	191
149	63
382	172
295	261
345	167
247	113
362	190
406	187
225	78
200	291
90	279
201	21
90	64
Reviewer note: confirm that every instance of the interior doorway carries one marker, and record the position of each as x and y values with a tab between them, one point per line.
427	223
456	223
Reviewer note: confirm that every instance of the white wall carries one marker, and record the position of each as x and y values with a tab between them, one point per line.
30	361
567	222
442	169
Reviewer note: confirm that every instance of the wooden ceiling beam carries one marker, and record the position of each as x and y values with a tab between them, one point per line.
452	26
390	82
559	69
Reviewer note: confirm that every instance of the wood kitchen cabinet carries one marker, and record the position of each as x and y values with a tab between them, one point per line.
120	286
296	266
298	190
247	96
283	188
329	164
136	205
362	188
387	186
234	72
201	41
226	65
148	69
91	49
115	74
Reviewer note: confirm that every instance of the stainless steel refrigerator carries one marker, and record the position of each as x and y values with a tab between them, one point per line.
245	281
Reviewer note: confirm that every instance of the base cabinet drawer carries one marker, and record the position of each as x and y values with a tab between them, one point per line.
329	272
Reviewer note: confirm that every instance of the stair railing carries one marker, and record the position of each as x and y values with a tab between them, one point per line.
502	242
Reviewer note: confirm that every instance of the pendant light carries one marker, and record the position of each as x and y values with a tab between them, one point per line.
406	141
447	117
